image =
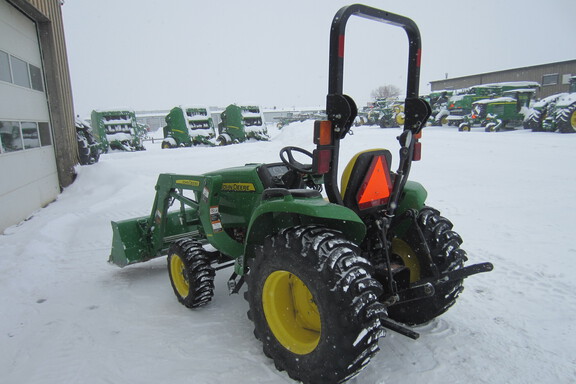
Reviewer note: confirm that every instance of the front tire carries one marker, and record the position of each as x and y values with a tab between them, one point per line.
444	245
314	304
191	274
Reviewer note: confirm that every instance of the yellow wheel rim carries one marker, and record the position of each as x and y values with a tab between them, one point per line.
408	256
400	118
573	119
291	312
178	275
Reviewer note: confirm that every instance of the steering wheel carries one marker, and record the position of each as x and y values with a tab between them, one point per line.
287	157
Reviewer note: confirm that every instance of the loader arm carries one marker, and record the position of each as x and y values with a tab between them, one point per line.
144	238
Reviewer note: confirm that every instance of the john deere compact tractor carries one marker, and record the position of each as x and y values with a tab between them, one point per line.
324	277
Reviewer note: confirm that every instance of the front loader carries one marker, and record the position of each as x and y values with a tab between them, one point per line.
324	276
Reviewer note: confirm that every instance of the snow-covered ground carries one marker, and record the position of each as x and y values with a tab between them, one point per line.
67	316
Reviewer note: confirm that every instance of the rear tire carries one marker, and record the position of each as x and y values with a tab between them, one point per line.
534	121
444	245
567	120
191	275
314	304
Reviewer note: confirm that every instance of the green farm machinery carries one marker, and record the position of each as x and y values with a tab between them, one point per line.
240	123
460	104
188	126
391	112
89	149
438	101
506	112
555	113
118	130
325	276
385	112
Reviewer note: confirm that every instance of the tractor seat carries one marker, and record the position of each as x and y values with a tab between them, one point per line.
367	182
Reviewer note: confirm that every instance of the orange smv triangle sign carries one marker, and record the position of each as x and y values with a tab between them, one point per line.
376	187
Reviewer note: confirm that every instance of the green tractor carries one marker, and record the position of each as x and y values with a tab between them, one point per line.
438	101
506	112
325	277
188	126
240	123
460	104
118	130
391	112
555	113
291	117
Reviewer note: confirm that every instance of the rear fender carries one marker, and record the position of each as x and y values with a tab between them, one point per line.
413	197
287	211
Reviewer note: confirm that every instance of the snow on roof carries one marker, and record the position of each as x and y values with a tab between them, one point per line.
547	100
523	84
526	90
496	100
566	100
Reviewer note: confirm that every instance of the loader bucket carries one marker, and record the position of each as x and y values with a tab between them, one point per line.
128	242
133	243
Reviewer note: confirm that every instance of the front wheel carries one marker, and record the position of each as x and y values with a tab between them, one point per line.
444	246
191	274
314	304
490	127
464	127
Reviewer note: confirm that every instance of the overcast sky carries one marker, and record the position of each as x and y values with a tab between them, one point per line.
157	54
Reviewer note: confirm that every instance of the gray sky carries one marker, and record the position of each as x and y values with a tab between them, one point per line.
157	54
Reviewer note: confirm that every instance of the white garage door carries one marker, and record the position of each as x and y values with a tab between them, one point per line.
28	174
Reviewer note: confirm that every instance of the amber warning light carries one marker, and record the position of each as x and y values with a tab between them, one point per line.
323	141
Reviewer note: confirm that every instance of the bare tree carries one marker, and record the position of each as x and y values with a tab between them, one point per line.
385	91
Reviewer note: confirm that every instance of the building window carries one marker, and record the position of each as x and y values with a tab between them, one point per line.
20	72
19	135
5	74
44	130
16	71
36	78
10	137
30	135
551	79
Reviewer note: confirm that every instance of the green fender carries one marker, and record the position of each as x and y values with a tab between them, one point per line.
287	211
413	197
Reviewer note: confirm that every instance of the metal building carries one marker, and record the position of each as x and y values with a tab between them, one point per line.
38	149
553	78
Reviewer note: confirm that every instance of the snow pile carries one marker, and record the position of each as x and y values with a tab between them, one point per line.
69	317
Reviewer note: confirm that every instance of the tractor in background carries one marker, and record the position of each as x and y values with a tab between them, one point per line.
240	123
460	104
555	113
188	126
88	148
438	101
506	112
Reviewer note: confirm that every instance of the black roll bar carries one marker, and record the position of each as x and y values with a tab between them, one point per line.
341	109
